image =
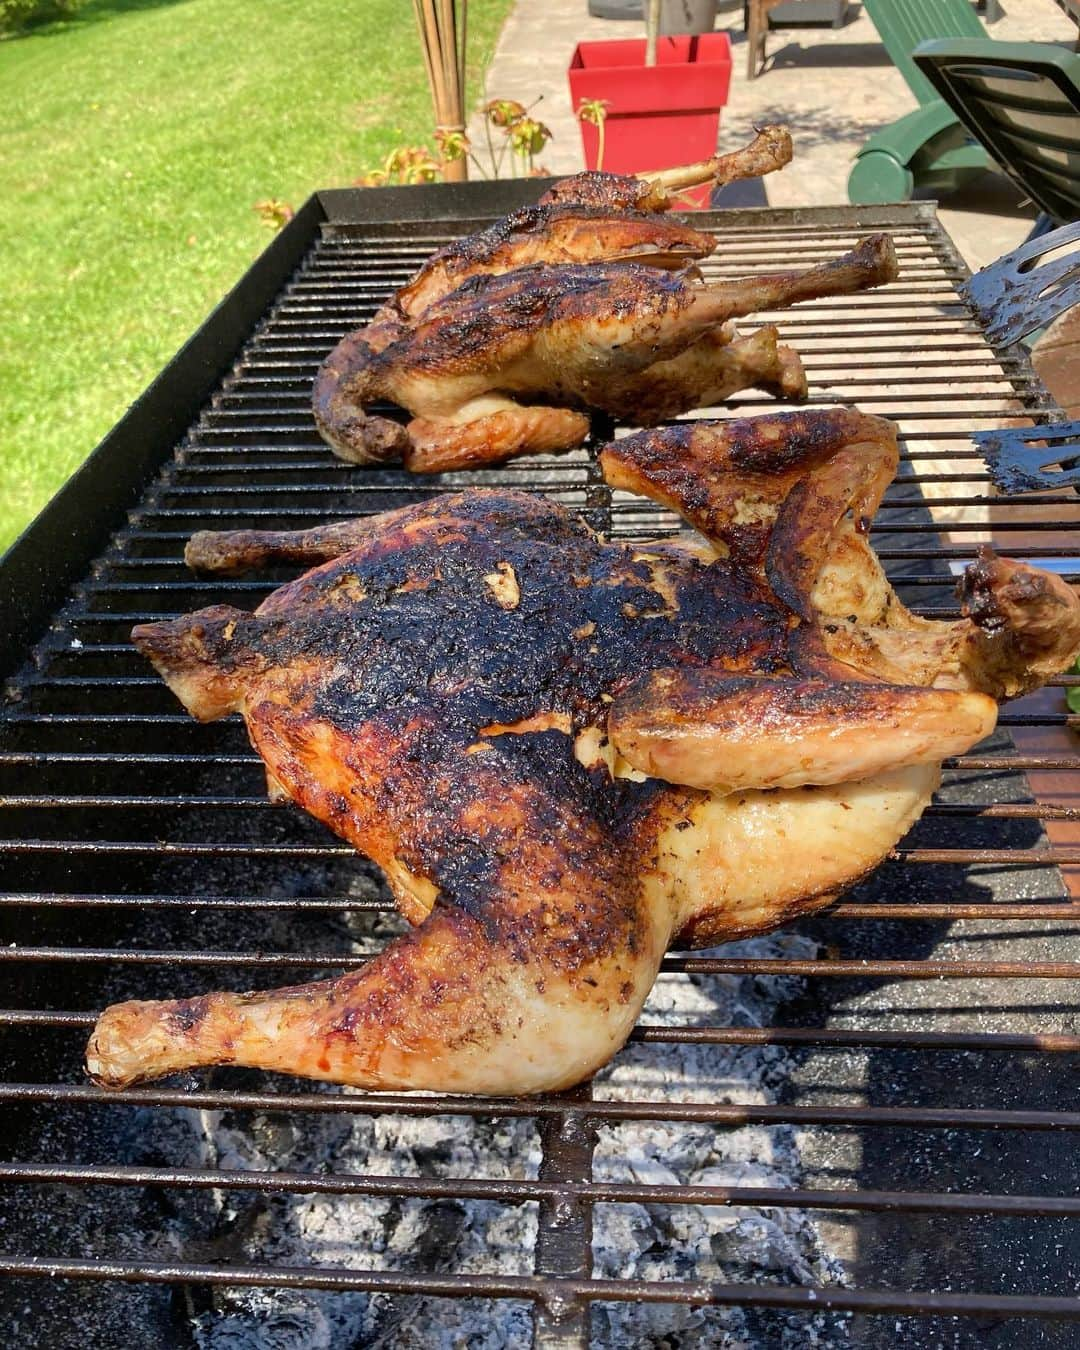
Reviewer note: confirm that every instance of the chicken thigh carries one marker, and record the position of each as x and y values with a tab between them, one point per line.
566	754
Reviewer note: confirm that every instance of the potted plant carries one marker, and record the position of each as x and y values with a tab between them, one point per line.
661	95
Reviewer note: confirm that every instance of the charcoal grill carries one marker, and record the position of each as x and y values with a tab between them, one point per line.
928	1049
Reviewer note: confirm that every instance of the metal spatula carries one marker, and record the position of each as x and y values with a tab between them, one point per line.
1019	461
1012	298
1016	295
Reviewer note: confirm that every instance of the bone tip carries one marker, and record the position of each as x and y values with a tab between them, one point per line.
109	1051
201	553
778	136
884	254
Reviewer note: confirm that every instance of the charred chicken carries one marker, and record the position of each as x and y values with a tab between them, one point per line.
588	219
566	755
512	363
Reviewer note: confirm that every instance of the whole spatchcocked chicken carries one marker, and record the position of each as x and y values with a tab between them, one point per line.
566	754
505	341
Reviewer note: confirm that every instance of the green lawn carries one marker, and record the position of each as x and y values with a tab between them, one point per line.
135	140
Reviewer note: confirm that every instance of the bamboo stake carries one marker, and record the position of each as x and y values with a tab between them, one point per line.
442	43
652	28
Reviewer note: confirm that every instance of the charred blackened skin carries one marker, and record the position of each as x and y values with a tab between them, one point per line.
981	601
188	1014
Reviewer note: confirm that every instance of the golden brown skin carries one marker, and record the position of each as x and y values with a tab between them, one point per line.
589	218
463	688
567	233
513	363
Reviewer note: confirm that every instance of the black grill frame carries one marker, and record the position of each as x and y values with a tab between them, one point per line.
79	561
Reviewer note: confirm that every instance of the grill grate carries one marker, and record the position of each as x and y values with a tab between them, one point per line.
926	1051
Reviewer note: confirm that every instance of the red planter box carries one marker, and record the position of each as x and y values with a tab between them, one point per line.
657	116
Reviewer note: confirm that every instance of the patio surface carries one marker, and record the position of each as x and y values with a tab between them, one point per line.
834	88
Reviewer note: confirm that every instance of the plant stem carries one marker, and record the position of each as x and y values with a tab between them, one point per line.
491	147
483	172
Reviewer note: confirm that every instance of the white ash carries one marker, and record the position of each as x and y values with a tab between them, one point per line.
692	1242
655	1242
365	1233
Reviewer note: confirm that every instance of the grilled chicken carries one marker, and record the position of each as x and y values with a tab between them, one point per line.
591	217
512	363
652	190
566	755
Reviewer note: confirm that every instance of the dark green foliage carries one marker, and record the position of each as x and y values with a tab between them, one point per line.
16	14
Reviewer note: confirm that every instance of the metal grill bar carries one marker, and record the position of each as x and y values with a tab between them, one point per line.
728	1114
1023	811
921	910
521	1192
559	1295
960	857
893	970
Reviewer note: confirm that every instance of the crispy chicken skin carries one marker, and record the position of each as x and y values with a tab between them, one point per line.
652	190
513	363
588	219
566	754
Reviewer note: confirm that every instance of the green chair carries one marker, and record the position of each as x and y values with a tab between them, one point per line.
1021	101
930	147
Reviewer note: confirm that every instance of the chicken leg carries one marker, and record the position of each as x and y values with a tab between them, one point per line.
590	217
651	190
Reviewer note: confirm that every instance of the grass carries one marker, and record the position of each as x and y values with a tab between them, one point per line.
136	138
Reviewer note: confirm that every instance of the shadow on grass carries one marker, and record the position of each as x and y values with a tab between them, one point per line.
51	24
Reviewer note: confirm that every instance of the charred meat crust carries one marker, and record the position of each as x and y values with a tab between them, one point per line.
774	445
399	652
600	190
427	634
993	590
708	472
612	232
489	312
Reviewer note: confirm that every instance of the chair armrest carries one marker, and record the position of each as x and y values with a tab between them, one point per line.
908	135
